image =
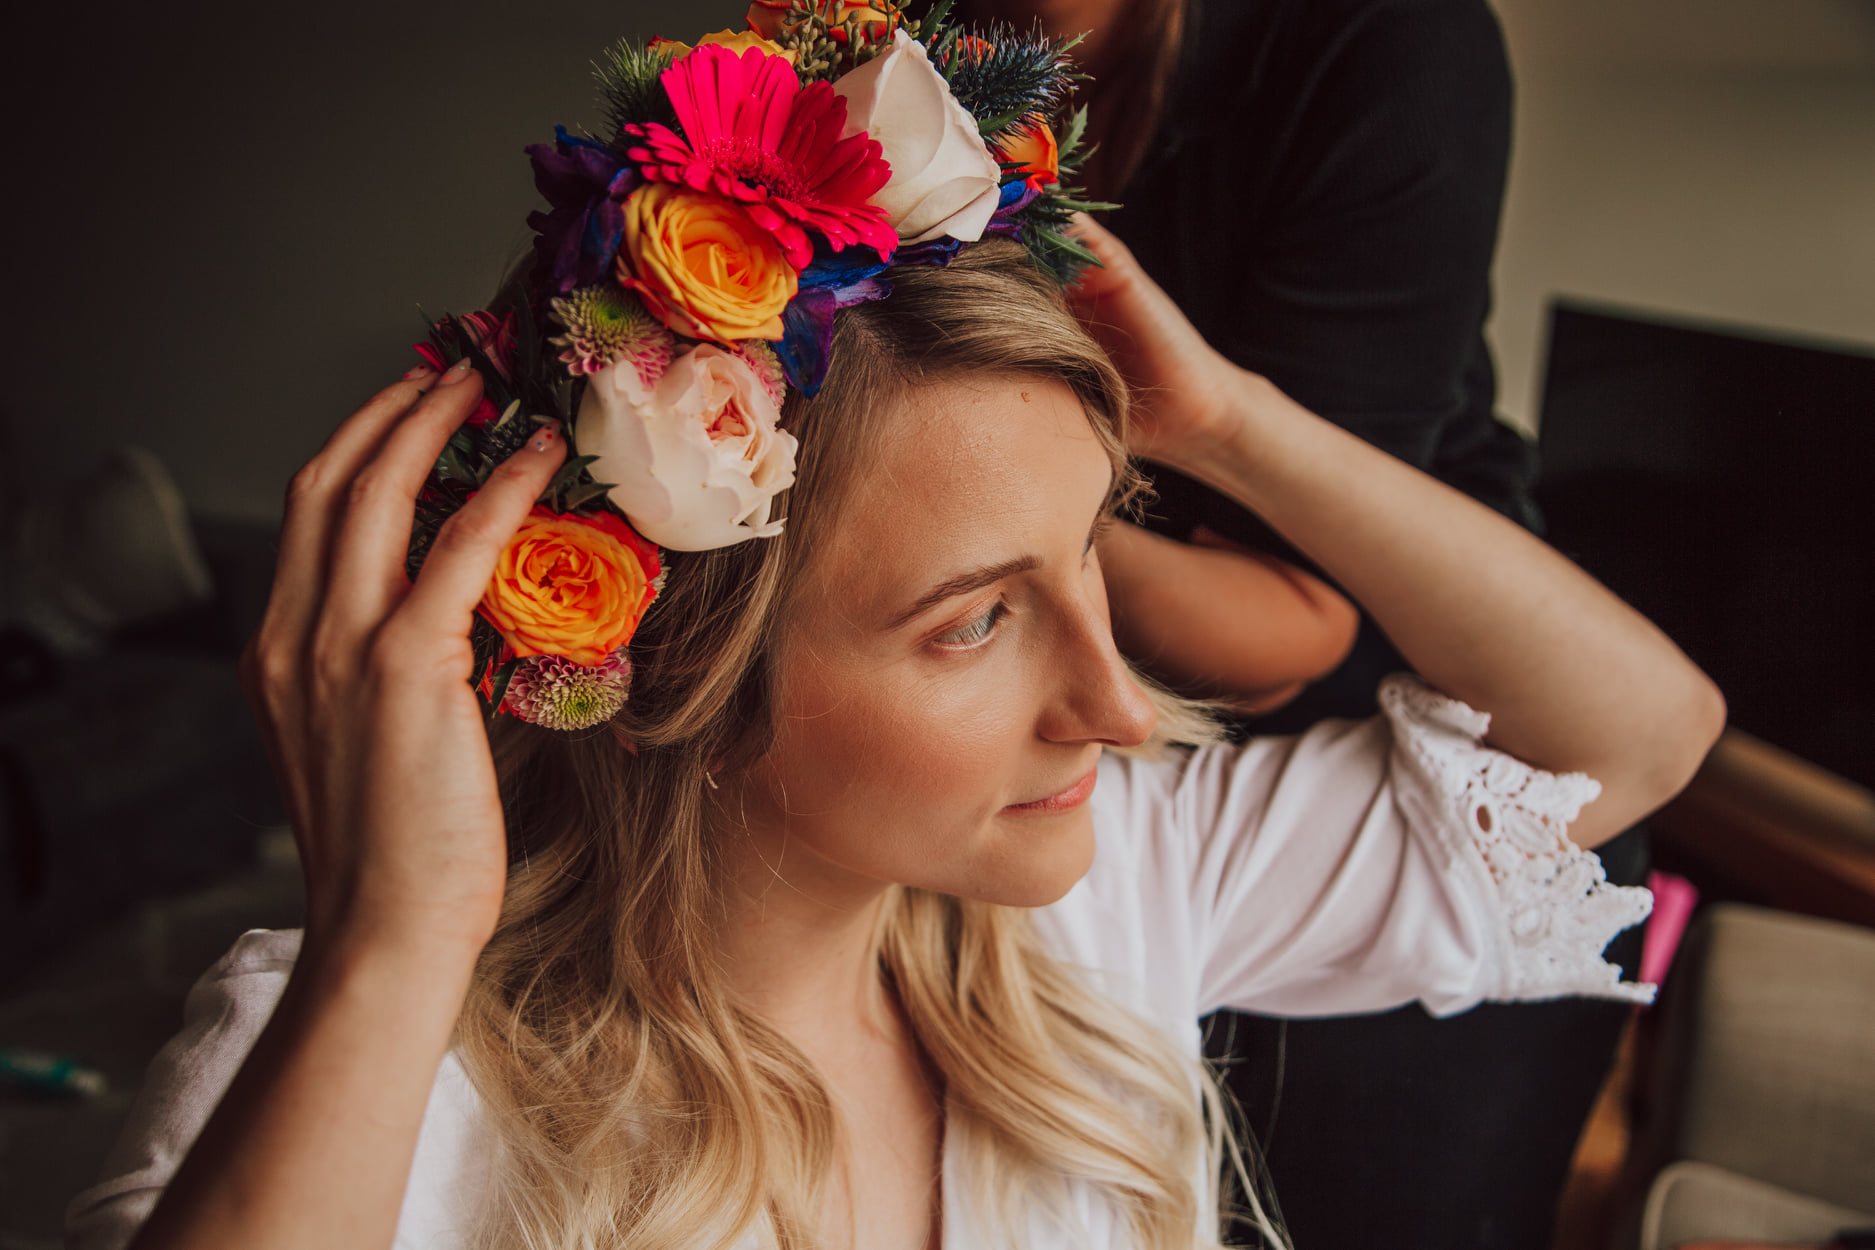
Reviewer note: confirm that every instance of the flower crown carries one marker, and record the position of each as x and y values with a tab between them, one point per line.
688	273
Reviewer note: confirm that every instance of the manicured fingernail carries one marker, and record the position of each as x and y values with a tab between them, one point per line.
418	371
546	436
457	371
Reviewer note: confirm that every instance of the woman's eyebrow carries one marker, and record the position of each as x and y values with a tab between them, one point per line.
963	584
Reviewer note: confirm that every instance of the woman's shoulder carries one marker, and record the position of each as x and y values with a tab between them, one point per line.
1173	830
1304	874
249	965
223	1017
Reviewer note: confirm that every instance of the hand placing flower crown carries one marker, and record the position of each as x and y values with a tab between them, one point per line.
686	275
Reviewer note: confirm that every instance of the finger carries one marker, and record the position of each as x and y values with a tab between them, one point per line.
367	574
314	499
1116	260
261	701
462	560
1119	279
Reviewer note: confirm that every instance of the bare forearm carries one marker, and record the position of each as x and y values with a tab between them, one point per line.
1222	623
1573	678
312	1144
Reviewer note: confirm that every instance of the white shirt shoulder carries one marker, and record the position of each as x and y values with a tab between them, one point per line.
222	1019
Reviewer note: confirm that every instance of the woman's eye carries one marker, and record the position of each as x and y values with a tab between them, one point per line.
976	631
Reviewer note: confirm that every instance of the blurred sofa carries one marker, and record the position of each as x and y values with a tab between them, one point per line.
1762	1124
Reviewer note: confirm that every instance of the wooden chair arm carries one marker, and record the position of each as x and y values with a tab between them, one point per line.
1798	835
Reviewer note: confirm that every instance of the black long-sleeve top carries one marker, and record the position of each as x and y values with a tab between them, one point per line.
1322	200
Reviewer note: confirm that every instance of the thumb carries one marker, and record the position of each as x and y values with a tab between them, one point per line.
1097	282
1118	293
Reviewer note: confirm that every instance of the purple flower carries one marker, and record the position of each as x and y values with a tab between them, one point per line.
1014	199
834	281
586	185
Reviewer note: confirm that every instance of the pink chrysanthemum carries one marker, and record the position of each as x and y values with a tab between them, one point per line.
766	366
752	133
604	324
556	693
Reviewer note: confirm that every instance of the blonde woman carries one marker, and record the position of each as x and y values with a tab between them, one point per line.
835	883
860	931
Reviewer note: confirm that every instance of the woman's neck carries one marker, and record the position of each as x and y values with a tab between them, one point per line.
799	944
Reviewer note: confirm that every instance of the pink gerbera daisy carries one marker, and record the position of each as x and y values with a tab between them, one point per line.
752	133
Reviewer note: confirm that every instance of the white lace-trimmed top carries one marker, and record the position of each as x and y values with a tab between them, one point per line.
1362	865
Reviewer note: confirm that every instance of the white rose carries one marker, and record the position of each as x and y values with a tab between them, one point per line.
944	180
697	459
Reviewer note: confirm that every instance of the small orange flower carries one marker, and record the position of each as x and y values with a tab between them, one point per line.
571	586
766	16
701	266
1032	149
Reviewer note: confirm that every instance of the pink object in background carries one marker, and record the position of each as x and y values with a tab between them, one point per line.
1674	900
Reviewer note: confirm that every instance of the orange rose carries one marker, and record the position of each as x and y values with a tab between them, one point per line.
571	586
701	266
1032	150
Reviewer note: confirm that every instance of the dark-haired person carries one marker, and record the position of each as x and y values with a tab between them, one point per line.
1317	185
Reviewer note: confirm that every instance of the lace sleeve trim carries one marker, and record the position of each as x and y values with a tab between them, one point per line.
1558	911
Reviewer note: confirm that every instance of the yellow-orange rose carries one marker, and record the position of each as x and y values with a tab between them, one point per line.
701	266
737	41
571	586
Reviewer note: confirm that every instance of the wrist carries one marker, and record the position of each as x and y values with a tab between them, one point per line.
401	963
1241	406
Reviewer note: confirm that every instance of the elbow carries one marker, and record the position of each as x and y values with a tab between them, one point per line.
1697	718
1341	625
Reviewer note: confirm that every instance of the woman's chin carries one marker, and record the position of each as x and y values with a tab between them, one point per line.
1037	860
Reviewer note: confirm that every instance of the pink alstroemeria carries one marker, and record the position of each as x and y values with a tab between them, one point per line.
752	133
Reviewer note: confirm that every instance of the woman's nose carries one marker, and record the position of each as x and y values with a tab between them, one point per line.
1099	699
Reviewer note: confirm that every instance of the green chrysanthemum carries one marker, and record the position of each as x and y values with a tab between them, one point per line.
605	324
766	366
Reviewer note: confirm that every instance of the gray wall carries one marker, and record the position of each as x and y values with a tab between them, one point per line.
1702	159
220	221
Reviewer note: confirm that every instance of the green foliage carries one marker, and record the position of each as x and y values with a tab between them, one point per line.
826	50
629	88
1014	79
1045	223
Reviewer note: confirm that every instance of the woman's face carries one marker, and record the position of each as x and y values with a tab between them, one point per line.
949	678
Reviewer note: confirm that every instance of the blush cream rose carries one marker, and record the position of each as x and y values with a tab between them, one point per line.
696	460
944	180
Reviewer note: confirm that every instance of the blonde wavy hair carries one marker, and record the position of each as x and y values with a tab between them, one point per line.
636	1104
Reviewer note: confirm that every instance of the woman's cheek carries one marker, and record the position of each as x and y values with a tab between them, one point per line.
957	731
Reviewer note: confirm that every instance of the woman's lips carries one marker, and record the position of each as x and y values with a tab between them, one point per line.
1066	801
